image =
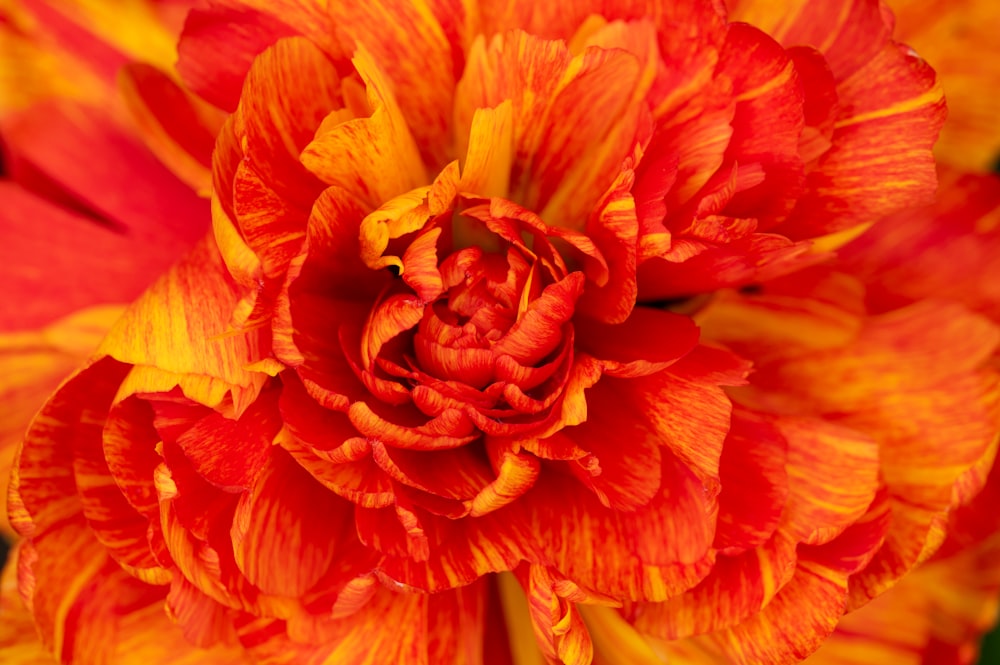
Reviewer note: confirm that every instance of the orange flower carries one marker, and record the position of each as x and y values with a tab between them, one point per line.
419	395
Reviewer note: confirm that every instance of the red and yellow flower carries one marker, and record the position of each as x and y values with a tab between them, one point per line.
517	335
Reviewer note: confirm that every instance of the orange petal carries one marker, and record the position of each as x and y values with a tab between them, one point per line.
373	158
649	554
893	106
490	153
737	588
33	364
557	624
780	324
957	40
44	493
938	611
833	476
548	114
136	30
177	126
119	526
613	227
400	627
847	32
33	69
203	621
942	341
418	45
948	250
19	643
793	624
92	612
286	504
169	329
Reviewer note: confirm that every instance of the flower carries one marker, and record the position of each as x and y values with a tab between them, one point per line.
463	364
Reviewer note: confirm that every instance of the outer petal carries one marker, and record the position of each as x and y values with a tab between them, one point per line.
180	325
861	387
94	612
33	364
938	611
847	32
895	103
394	626
948	250
19	644
244	29
62	261
956	37
177	126
59	140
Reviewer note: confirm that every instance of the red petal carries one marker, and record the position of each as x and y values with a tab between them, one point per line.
767	123
230	453
43	485
648	341
891	111
241	30
85	262
754	482
178	127
286	506
61	139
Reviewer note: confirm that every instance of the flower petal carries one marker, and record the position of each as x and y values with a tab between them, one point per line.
243	28
177	126
914	254
86	263
957	39
285	528
59	140
33	364
891	111
373	158
168	329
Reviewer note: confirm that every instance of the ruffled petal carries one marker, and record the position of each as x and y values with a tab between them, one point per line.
956	38
168	328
